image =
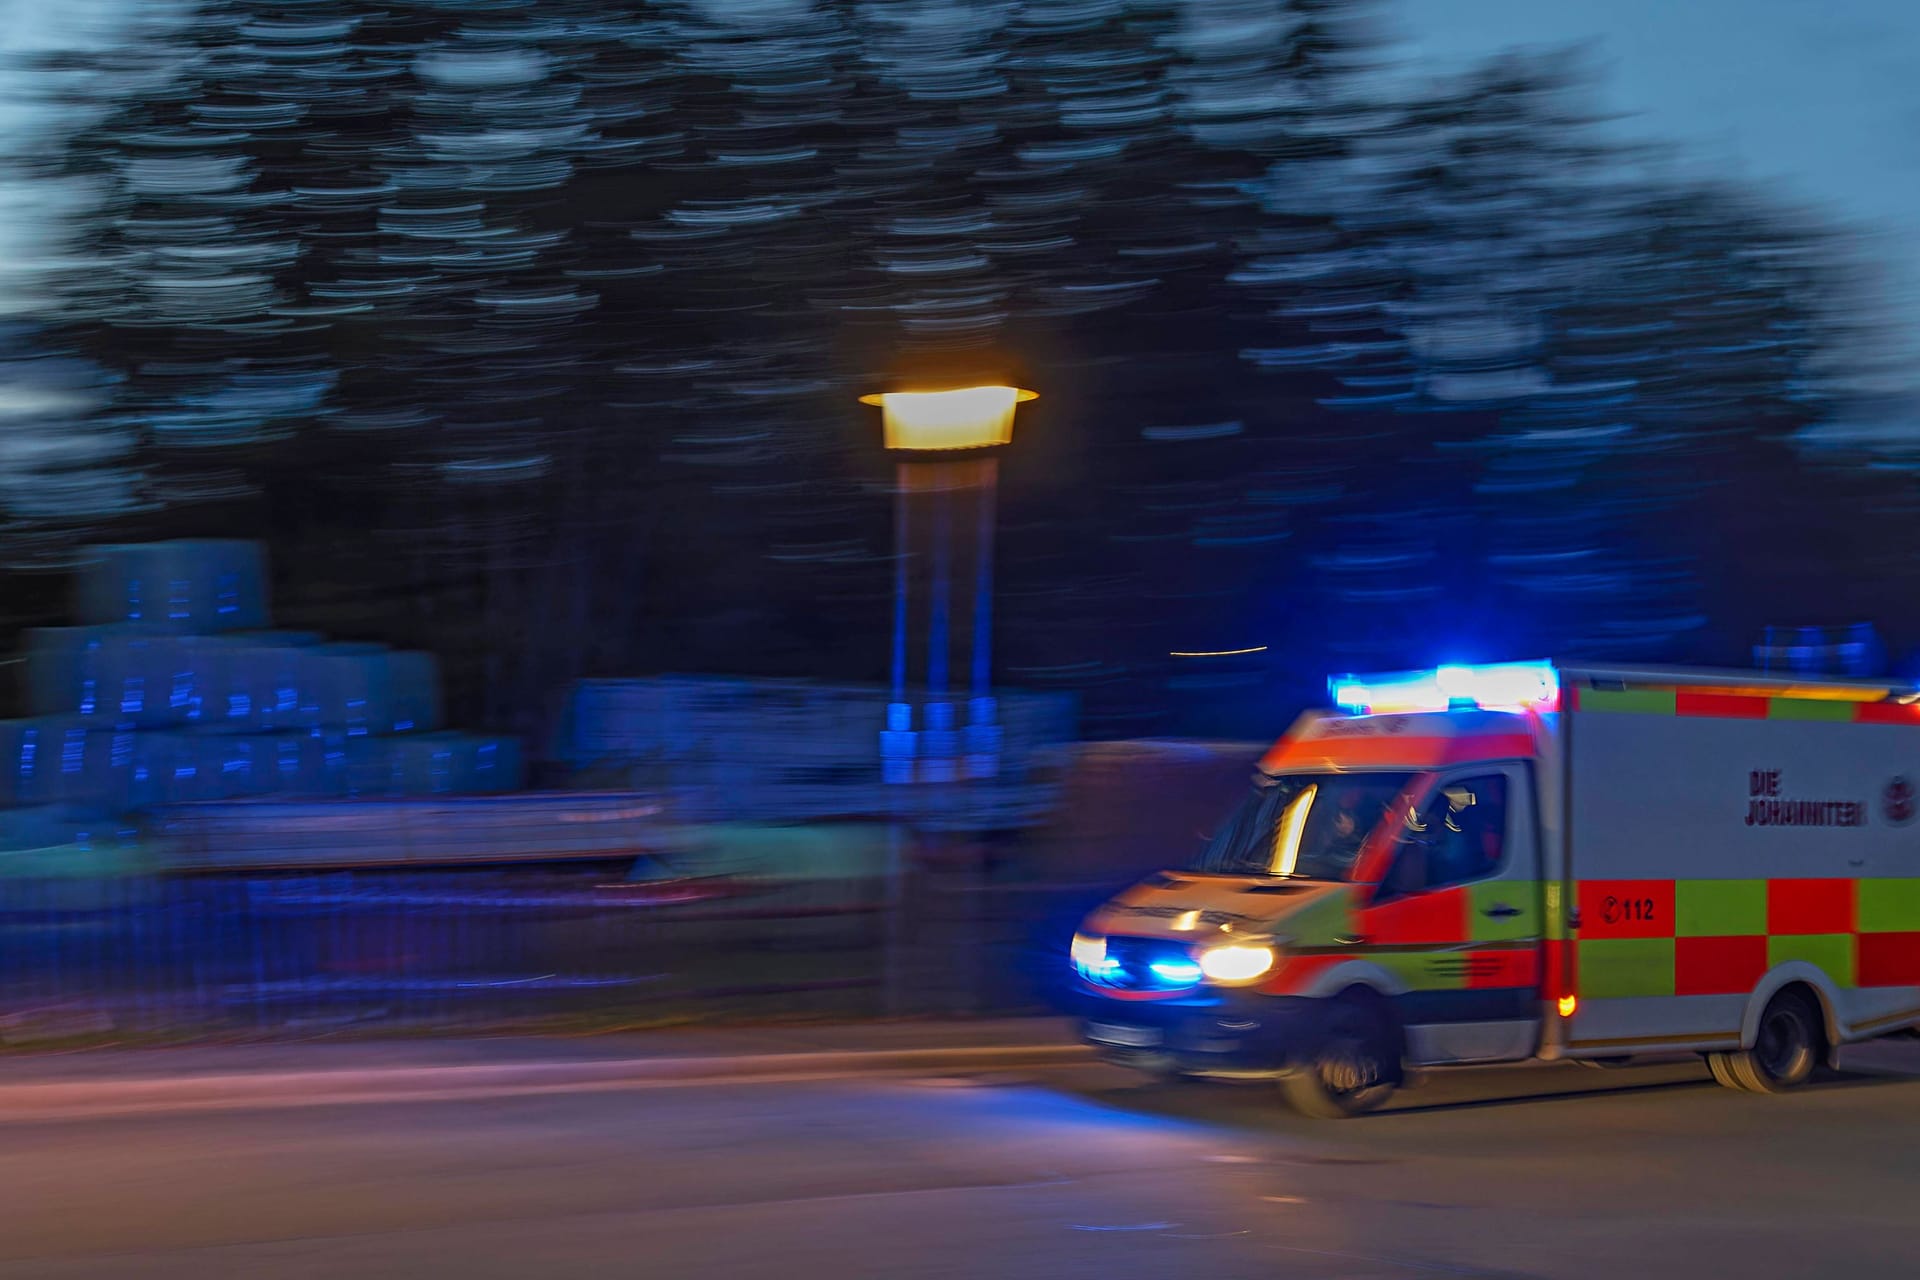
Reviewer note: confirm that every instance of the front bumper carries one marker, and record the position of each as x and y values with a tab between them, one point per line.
1209	1033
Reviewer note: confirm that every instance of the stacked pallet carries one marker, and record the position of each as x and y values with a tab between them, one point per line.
787	750
172	691
484	830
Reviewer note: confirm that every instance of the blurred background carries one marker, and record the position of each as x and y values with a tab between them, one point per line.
450	576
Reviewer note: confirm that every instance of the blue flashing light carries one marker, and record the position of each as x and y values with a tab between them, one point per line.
1348	695
1507	686
1176	973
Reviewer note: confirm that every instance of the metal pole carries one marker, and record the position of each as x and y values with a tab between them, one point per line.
983	582
900	583
893	952
941	606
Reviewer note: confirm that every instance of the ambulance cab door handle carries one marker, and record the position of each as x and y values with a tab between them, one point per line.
1500	911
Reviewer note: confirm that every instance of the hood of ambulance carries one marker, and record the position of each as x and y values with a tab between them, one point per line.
1197	908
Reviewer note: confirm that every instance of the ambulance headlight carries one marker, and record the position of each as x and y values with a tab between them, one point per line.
1235	963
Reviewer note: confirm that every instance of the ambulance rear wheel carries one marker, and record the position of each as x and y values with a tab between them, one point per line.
1786	1049
1354	1070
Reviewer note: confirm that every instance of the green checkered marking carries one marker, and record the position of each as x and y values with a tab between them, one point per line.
1646	702
1523	895
1809	709
1831	952
1888	906
1719	908
1615	967
1322	922
1420	972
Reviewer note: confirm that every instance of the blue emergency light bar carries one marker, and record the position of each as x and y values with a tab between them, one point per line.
1505	686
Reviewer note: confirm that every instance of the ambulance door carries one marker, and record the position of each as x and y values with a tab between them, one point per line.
1458	919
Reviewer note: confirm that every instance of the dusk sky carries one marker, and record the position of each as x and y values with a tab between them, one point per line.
1821	99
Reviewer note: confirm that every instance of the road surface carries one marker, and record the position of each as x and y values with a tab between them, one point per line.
1080	1171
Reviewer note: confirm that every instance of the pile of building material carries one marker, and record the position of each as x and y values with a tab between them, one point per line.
791	750
171	691
472	830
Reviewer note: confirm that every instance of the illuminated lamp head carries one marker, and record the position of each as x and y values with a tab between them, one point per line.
962	418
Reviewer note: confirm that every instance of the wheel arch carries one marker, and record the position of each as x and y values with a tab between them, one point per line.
1349	974
1826	999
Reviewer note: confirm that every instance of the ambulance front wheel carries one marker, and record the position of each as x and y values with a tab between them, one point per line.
1355	1066
1786	1049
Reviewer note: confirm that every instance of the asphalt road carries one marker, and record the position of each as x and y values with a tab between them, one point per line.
1563	1172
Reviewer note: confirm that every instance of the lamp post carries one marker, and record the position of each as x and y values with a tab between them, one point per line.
946	474
943	483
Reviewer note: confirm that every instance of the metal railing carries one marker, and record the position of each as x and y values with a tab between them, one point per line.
203	955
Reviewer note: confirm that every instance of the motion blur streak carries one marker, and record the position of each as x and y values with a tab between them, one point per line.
493	311
455	588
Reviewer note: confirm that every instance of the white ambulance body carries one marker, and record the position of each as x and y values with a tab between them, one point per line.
1530	861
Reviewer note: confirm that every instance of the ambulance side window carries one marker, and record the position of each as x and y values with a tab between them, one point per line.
1457	837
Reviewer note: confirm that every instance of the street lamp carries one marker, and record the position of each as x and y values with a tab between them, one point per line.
940	421
941	481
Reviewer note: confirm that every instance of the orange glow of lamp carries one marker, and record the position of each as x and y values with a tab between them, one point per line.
937	421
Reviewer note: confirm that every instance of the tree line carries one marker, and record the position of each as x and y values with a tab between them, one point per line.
530	333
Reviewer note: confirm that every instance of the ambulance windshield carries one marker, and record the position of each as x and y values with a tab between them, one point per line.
1305	825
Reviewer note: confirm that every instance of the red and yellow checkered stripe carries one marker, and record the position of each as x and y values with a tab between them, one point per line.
1731	706
1440	941
1719	937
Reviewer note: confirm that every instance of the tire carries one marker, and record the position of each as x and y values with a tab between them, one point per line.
1722	1072
1355	1069
1157	1067
1786	1049
1162	1071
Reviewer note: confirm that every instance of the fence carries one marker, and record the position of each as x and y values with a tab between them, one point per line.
230	927
275	954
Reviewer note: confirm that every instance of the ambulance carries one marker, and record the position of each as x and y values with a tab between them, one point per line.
1534	861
